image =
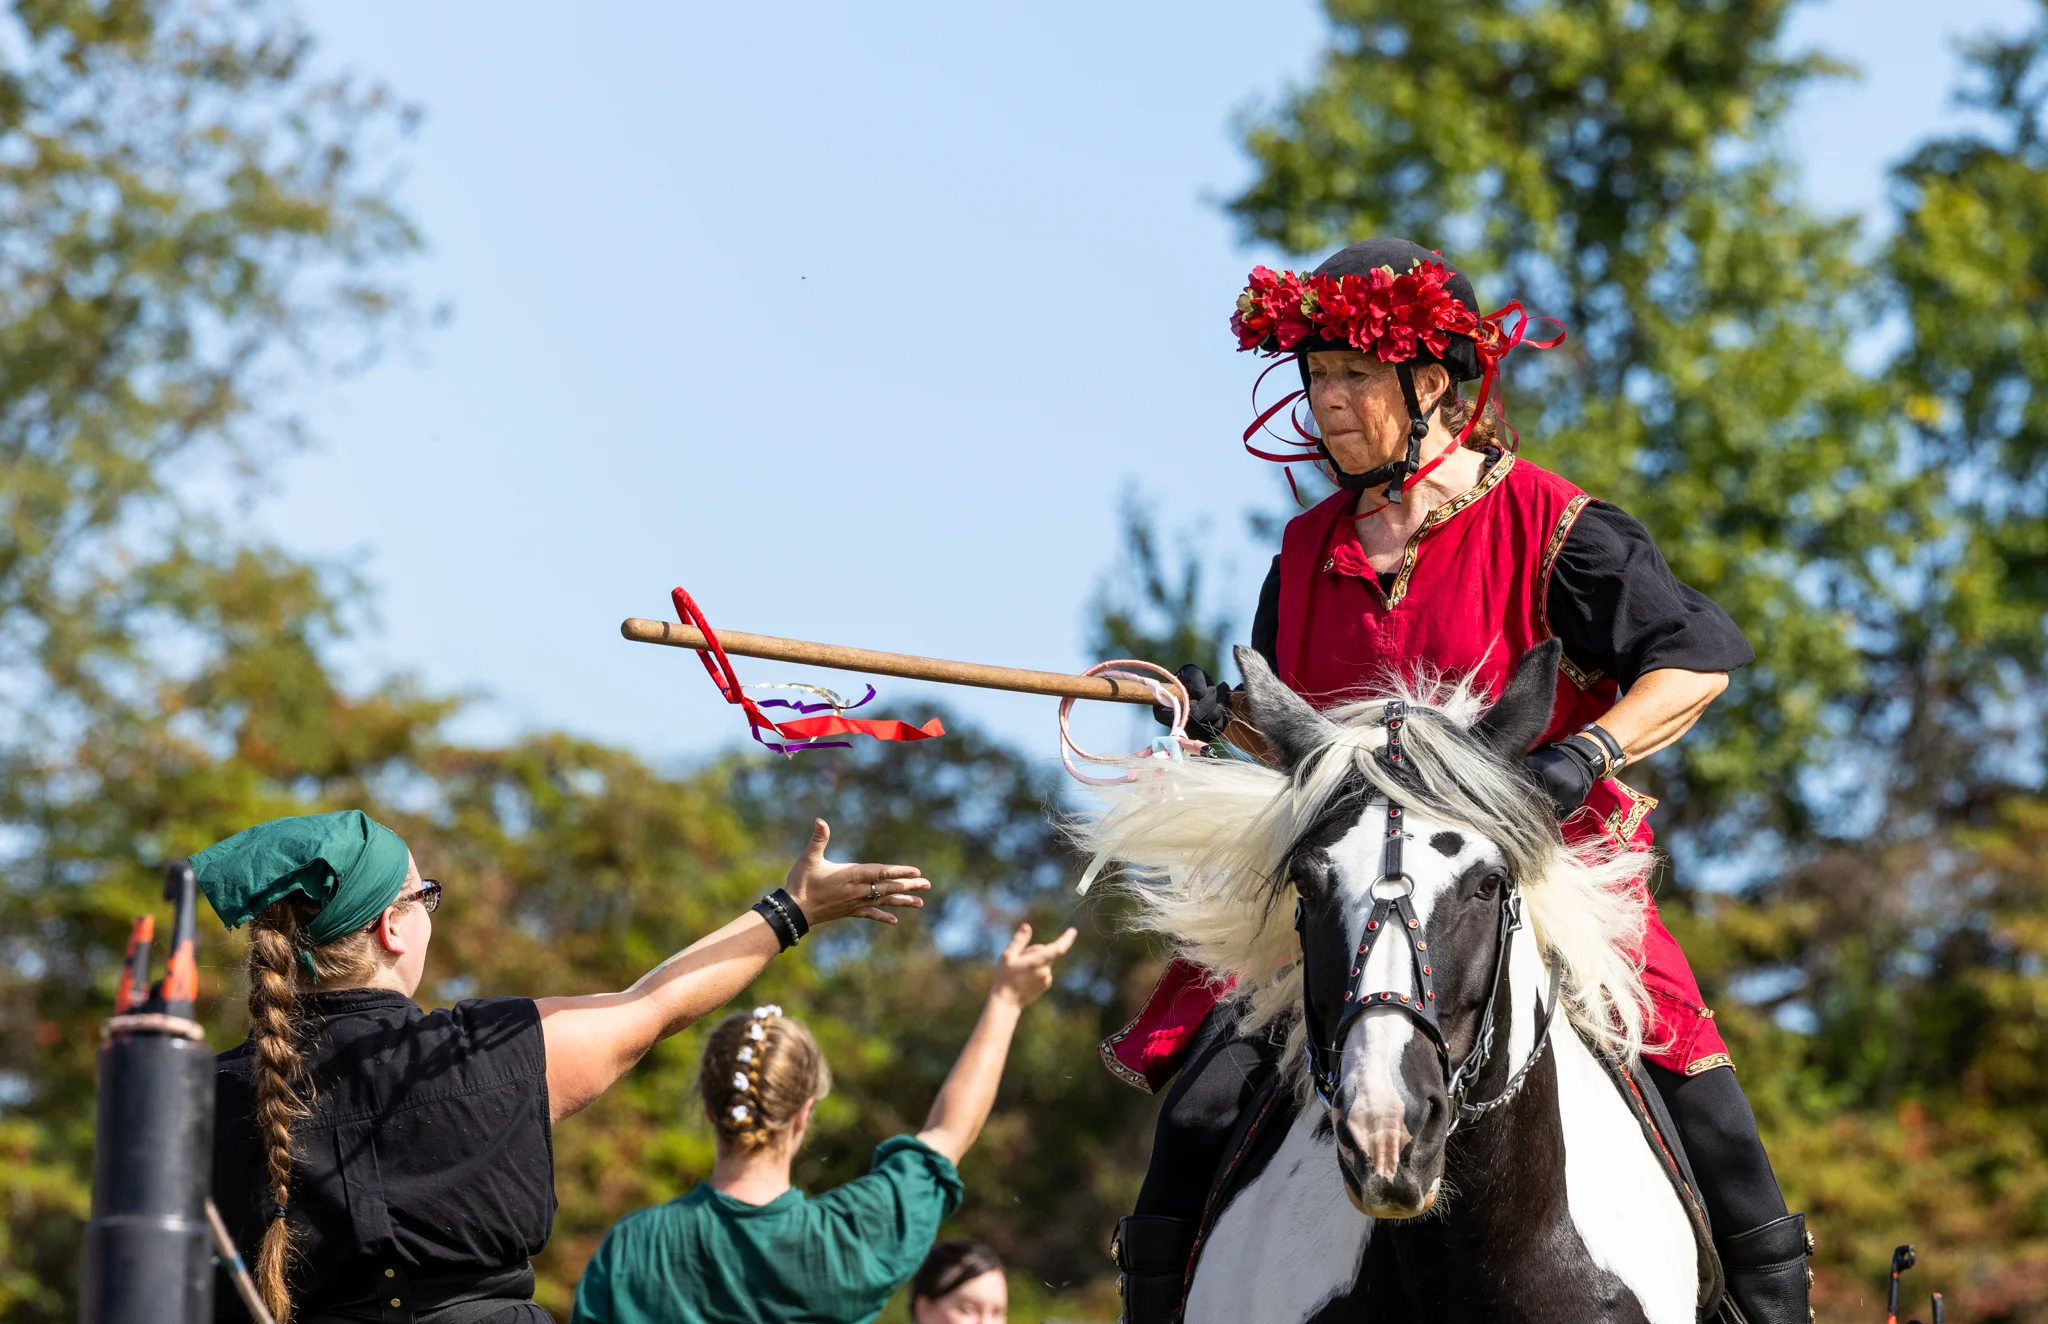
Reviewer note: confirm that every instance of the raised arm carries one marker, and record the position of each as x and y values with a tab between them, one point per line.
1023	972
593	1040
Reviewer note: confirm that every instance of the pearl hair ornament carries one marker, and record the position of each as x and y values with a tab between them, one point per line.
746	1082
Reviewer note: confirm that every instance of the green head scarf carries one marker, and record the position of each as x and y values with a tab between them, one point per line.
346	863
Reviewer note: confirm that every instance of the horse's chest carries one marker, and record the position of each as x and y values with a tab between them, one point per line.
1289	1241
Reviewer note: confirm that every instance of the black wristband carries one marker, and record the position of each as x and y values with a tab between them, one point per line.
796	912
1616	755
784	916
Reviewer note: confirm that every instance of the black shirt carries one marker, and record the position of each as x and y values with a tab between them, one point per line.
428	1151
1613	601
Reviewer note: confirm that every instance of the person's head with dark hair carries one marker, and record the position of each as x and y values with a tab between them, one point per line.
961	1282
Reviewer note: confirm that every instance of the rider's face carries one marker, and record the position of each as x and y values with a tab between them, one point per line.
1359	409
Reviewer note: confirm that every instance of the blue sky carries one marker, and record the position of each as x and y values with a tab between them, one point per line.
796	305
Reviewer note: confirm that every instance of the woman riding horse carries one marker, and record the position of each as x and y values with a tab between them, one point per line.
1444	550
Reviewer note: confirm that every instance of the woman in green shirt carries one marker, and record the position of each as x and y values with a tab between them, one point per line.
748	1248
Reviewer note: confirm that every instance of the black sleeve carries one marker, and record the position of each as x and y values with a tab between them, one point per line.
1266	620
1617	606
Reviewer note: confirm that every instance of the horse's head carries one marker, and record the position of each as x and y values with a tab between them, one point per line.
1404	916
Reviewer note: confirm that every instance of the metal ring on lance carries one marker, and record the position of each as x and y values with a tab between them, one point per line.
1169	694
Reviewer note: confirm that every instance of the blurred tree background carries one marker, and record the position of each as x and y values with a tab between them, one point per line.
1840	438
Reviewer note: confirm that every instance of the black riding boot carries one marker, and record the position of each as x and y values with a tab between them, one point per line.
1767	1273
1763	1248
1152	1256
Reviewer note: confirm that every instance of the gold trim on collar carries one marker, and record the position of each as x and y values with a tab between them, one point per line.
1708	1063
1436	518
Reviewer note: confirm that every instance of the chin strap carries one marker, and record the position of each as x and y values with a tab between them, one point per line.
1394	473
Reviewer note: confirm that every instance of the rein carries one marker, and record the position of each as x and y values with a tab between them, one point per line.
1392	894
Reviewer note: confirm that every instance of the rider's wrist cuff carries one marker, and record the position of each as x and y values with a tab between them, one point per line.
784	916
1609	746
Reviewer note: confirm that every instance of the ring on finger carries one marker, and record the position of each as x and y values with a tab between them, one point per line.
874	892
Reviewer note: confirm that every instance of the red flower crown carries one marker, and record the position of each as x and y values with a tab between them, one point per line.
1379	313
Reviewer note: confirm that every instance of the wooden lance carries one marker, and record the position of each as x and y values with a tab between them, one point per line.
909	667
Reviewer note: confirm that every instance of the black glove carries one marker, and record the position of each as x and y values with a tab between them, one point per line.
1208	704
1566	771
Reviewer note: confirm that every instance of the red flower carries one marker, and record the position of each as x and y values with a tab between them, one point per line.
1288	307
1380	313
1252	322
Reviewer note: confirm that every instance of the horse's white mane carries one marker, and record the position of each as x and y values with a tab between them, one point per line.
1201	843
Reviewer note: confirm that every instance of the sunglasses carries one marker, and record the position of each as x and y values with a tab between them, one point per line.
429	895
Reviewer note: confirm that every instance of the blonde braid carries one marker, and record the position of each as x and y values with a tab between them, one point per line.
278	961
273	1029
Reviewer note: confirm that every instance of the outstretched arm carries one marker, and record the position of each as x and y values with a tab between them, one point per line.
593	1040
1023	972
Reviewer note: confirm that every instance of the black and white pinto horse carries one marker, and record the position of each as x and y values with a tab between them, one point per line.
1451	1138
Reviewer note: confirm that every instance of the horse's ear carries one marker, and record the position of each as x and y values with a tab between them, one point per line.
1521	715
1292	729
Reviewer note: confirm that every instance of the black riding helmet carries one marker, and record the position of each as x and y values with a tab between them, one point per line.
1460	358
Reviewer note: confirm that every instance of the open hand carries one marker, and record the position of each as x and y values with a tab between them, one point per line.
828	891
1024	970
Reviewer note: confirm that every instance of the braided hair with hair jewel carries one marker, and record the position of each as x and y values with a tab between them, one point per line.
759	1071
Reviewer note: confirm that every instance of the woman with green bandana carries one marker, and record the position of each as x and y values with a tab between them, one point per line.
396	1165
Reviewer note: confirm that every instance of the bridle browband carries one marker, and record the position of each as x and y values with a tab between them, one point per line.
1392	910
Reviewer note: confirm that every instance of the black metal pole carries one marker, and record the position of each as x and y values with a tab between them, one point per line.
148	1248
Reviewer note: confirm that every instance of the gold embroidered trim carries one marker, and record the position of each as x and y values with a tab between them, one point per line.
1623	822
1709	1063
1107	1048
1583	677
1436	518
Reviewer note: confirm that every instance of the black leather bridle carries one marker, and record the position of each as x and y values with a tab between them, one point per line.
1393	910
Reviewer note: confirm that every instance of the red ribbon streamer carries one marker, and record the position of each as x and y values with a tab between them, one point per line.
797	728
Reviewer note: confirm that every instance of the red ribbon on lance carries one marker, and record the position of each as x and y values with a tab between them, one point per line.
808	732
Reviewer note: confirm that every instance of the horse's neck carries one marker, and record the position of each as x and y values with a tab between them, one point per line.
1511	1190
1493	1157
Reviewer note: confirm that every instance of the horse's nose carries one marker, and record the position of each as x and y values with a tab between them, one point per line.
1376	1130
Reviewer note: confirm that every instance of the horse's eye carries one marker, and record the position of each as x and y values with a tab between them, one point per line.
1490	885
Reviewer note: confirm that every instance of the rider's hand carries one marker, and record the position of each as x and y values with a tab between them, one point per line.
1565	772
1208	704
1024	970
828	891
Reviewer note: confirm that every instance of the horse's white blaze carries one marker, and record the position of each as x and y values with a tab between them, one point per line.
1287	1243
1370	1067
1623	1205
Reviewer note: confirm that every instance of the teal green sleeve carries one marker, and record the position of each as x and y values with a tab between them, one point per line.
884	1223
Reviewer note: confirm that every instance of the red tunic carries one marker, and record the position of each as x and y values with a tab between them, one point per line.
1468	599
